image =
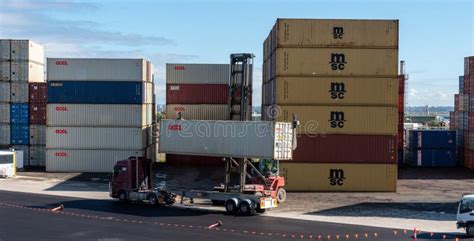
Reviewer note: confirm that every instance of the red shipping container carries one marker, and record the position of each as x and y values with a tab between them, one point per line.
401	84
346	149
469	159
177	160
456	102
401	102
38	113
197	93
37	92
468	65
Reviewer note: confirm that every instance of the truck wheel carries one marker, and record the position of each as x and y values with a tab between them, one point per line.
246	207
470	229
281	195
152	199
260	210
122	196
231	206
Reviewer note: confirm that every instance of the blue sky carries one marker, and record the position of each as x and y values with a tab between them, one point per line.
435	36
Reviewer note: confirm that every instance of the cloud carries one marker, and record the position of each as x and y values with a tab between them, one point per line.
420	97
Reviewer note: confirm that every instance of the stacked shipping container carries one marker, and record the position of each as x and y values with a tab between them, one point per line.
22	125
340	78
432	148
99	111
465	115
198	92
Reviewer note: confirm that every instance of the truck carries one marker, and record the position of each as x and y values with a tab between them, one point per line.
465	214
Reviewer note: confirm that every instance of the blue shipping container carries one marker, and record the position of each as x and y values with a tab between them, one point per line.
20	134
96	92
433	157
432	139
19	113
461	84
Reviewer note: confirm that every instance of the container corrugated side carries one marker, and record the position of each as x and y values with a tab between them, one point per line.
37	92
37	135
357	120
5	71
226	138
26	153
334	62
5	49
38	156
197	73
197	94
98	115
433	157
5	113
100	92
97	137
20	134
341	33
365	149
19	92
432	139
27	72
198	112
179	160
335	177
27	50
4	92
64	160
19	113
37	113
331	91
72	69
5	134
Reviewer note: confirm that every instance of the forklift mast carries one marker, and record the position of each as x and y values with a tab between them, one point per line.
240	87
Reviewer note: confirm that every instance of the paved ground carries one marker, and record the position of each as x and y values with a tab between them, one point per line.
28	217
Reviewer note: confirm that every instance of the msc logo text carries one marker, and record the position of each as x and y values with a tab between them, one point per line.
337	32
337	90
336	119
336	177
338	61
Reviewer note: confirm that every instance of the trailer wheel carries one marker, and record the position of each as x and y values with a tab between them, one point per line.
231	206
281	195
152	199
122	196
246	207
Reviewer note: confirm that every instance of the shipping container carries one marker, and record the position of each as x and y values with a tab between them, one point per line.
19	113
20	134
27	72
26	153
180	160
5	49
338	119
461	84
5	70
72	69
456	102
37	156
197	94
198	112
100	92
37	113
19	92
5	134
37	135
433	157
314	62
97	137
5	113
331	91
197	73
366	149
27	50
99	115
432	139
37	92
336	177
256	139
65	160
469	65
5	92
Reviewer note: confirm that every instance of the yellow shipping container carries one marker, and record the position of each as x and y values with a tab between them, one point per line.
332	32
335	177
358	120
331	91
333	62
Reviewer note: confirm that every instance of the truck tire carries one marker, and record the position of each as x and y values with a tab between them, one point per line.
152	199
122	196
470	229
231	206
281	195
260	210
246	207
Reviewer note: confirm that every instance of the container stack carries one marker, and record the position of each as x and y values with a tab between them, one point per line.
340	78
433	148
401	119
197	92
21	66
99	111
468	121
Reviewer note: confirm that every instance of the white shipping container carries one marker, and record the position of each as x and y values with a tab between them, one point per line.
4	91
72	69
65	160
26	153
97	137
98	115
4	113
198	112
4	134
27	50
27	72
4	71
19	93
37	135
197	73
4	49
37	156
149	93
253	139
